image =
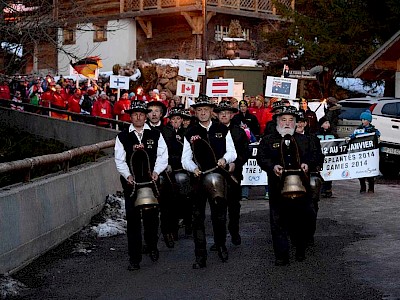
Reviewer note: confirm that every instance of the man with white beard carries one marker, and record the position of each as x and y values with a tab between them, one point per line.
279	151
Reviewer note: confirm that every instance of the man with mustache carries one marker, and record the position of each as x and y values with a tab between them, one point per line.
279	151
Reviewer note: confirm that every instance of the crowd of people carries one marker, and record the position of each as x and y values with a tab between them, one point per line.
194	153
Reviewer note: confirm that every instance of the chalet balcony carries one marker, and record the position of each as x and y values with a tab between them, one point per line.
251	8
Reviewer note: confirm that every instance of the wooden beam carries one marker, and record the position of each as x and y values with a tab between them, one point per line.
195	21
386	65
146	26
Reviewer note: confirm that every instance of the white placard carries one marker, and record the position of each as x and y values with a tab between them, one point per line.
119	82
238	90
252	174
188	70
281	87
220	87
188	88
200	65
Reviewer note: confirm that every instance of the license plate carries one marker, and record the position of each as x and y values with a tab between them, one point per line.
345	129
391	150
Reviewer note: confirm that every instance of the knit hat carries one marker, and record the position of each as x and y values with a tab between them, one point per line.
322	121
243	102
366	115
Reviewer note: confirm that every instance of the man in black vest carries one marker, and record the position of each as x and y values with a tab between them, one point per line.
225	113
220	152
139	136
277	153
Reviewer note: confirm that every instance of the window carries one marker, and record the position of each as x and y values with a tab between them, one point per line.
222	32
391	109
100	32
69	36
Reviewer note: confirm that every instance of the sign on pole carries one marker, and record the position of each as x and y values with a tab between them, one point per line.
220	87
281	87
200	65
188	88
188	70
119	82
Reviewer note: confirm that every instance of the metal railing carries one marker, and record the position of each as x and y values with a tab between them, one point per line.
27	165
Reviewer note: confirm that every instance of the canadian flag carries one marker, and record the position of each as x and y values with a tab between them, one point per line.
188	88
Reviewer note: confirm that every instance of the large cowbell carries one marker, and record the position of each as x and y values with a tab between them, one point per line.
292	184
145	186
293	176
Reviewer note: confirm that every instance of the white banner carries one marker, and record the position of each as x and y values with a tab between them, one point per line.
252	173
188	88
281	87
220	87
119	82
188	70
356	158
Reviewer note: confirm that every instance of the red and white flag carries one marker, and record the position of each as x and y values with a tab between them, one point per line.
188	88
220	87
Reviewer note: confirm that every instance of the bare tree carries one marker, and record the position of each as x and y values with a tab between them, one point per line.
32	33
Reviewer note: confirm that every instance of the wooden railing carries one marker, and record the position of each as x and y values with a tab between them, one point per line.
248	5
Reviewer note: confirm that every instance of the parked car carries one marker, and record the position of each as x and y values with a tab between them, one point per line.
349	118
386	117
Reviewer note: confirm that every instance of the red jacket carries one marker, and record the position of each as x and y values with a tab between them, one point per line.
73	104
261	115
119	107
5	92
102	108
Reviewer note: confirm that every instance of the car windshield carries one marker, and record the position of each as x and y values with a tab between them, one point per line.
352	111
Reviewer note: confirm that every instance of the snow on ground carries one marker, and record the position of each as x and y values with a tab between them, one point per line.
10	288
114	215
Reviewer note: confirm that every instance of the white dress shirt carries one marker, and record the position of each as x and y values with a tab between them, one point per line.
120	154
187	154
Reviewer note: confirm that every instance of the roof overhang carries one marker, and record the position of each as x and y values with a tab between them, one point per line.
383	63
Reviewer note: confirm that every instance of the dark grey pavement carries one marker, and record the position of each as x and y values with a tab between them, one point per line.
356	256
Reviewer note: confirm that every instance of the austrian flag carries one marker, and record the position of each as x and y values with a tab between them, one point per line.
220	87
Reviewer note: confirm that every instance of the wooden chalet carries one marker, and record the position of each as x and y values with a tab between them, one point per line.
162	28
384	64
174	28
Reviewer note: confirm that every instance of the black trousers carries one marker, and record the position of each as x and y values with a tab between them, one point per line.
290	217
218	207
168	205
371	183
234	197
134	217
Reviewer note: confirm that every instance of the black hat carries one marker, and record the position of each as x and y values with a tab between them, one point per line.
175	112
287	110
225	105
157	103
186	114
322	121
243	102
137	105
202	100
301	116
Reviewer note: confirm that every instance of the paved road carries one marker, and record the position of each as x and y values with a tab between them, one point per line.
356	256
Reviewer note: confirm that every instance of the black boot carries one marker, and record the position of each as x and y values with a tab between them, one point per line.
223	253
200	262
169	240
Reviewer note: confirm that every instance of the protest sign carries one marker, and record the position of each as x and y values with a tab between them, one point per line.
345	159
252	173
